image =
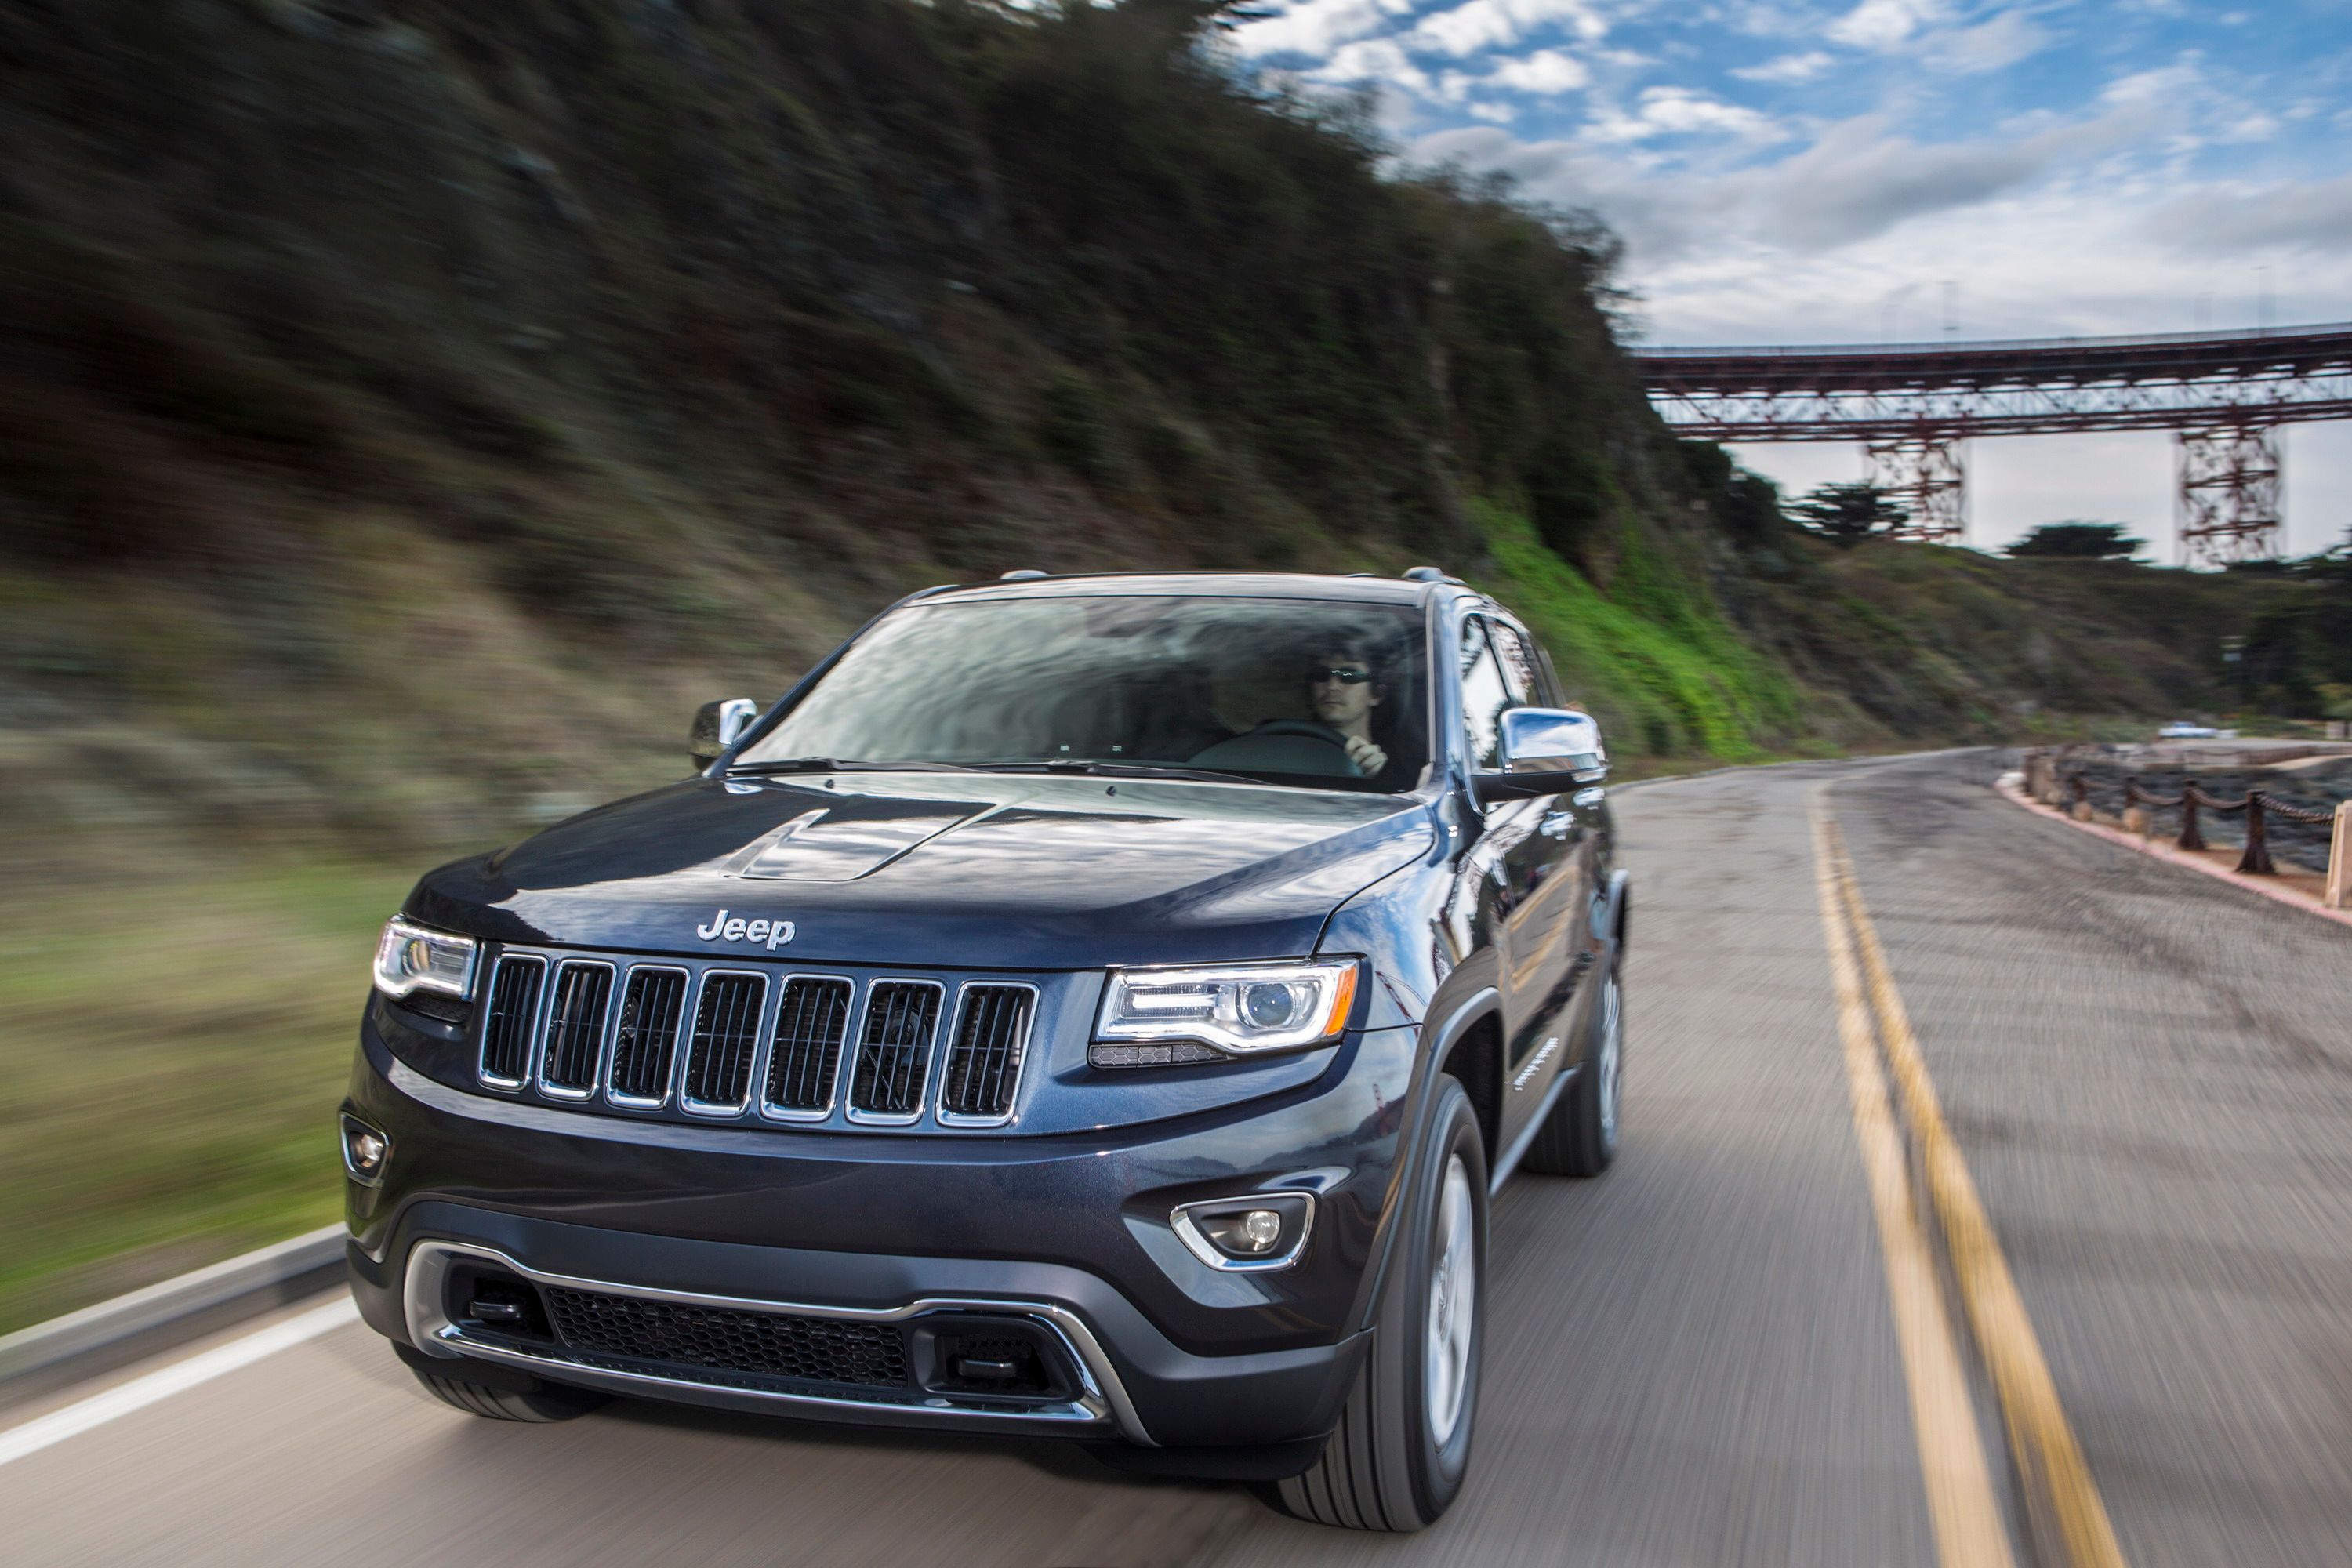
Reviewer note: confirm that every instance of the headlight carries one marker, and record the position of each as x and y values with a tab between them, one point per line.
1242	1009
411	958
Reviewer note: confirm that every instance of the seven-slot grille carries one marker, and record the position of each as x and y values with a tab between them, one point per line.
726	1036
983	1060
646	1039
805	1054
660	1037
513	1015
893	1049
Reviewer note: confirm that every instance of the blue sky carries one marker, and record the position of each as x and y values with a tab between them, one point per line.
1863	170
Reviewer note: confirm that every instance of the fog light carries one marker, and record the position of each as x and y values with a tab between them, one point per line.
1268	1230
366	1150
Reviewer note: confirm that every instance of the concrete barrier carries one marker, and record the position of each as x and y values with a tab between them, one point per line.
113	1334
2339	859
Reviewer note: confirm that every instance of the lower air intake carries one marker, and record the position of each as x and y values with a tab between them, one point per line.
757	1344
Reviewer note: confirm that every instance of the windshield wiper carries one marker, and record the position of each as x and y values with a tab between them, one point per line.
844	765
1118	770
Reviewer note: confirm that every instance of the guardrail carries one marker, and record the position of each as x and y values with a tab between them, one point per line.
2043	781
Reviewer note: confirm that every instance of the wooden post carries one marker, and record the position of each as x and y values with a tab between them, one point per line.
2256	860
2339	859
2190	838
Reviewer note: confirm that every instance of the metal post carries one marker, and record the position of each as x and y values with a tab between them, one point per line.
2256	860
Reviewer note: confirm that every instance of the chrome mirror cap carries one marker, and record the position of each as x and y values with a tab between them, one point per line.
717	726
1553	741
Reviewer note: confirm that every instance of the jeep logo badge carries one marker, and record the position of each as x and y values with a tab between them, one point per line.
772	933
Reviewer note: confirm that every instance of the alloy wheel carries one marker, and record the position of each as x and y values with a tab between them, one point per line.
1453	1305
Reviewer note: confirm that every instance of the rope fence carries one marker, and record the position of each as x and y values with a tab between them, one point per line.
2043	782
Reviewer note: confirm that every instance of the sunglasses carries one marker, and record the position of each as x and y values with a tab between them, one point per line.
1344	674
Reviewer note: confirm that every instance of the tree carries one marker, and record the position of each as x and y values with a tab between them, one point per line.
2080	540
1848	512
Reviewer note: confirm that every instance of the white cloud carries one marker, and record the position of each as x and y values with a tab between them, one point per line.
1546	72
1318	26
2311	217
1499	113
1374	59
1885	24
2004	40
1480	25
1680	112
1786	69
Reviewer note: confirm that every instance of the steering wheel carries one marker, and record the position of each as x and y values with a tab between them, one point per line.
1308	729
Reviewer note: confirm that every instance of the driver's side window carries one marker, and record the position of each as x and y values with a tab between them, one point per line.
1484	696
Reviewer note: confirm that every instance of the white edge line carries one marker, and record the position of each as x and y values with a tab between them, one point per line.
141	1392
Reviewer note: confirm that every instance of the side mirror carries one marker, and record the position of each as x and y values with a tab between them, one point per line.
717	726
1544	750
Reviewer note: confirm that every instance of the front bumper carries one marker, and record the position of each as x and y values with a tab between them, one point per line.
1066	1233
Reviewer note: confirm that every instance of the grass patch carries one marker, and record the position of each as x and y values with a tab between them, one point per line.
170	1064
1655	662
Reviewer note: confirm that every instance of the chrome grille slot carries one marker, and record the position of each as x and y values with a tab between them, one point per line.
725	1036
508	1028
983	1061
644	1041
894	1050
803	1350
575	1029
805	1054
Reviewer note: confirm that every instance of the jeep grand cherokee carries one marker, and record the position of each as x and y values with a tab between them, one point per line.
1098	1006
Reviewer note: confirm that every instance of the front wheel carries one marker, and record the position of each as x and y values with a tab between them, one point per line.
1398	1457
499	1396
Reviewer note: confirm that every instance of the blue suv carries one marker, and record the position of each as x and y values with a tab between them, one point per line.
1099	1005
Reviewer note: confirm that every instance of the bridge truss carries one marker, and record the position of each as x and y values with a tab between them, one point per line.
1914	405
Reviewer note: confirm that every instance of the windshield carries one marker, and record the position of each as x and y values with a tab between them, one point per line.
1311	692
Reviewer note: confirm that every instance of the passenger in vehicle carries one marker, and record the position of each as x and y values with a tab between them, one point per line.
1341	687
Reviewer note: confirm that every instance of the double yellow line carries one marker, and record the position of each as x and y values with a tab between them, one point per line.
1967	1523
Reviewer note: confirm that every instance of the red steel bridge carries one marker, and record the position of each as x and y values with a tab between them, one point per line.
1913	405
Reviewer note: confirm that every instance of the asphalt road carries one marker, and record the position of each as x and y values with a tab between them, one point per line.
1691	1361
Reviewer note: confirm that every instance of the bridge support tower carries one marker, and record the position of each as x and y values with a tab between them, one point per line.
1926	474
2229	506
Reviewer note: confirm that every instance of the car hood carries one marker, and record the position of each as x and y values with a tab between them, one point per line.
940	870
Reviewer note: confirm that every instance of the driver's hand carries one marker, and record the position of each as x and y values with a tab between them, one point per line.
1368	758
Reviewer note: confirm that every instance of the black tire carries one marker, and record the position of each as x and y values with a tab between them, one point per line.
541	1402
1577	1139
1385	1466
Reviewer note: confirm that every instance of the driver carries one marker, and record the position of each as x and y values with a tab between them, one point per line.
1342	688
